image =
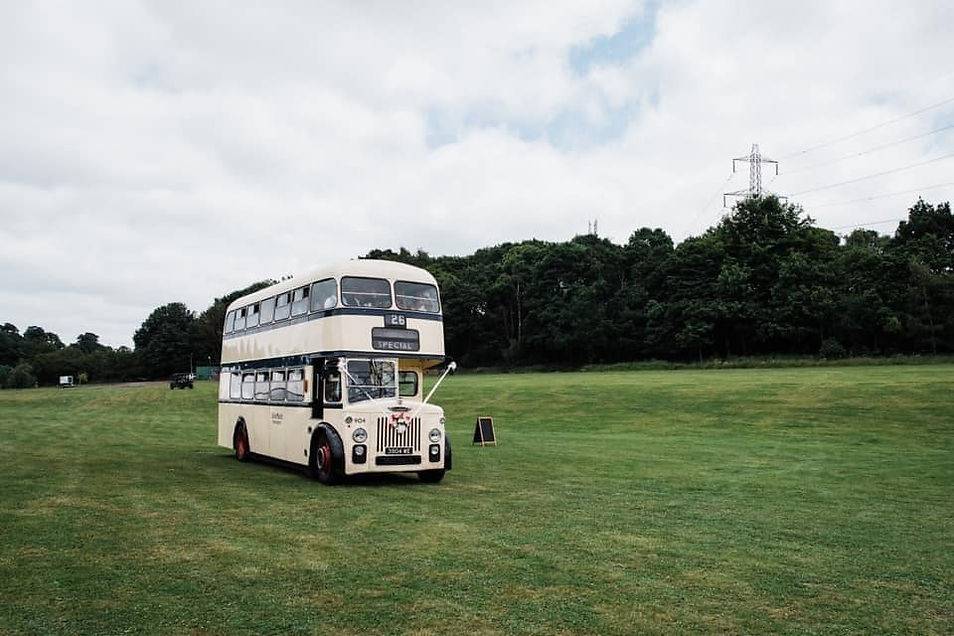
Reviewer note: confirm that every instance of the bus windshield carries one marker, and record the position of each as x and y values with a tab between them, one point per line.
370	380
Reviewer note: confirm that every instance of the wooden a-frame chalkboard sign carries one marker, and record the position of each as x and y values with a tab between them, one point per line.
484	431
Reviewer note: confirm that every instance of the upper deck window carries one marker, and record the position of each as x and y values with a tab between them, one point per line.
324	295
268	310
229	321
240	318
365	292
283	306
253	315
416	297
300	301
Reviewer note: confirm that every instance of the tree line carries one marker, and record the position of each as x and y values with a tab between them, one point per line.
764	281
171	339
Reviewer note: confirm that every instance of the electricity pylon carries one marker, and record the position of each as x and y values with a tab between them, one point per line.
755	161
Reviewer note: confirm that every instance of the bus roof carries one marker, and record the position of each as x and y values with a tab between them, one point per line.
371	268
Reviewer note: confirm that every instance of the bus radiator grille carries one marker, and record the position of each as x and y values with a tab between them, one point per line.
392	435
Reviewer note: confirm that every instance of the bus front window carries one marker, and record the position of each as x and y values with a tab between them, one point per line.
370	380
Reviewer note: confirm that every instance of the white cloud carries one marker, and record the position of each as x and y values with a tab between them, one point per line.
159	151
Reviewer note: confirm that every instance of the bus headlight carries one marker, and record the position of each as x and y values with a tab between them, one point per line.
360	435
434	435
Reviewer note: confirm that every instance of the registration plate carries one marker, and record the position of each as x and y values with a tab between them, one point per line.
397	450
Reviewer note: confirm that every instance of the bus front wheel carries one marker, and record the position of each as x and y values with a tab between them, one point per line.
326	458
240	443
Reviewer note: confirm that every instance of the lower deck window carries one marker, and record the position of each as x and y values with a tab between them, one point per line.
277	391
370	380
333	387
235	386
248	386
295	386
261	386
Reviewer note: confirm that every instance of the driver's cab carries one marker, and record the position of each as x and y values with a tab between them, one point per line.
376	406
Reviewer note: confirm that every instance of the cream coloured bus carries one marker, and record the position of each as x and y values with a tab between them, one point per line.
326	370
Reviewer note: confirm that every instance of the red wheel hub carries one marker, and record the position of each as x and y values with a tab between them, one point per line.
324	458
241	446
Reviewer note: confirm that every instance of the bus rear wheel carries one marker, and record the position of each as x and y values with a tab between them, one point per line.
240	443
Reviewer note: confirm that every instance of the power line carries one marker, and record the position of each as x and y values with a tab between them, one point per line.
882	196
847	227
868	130
872	176
870	150
709	201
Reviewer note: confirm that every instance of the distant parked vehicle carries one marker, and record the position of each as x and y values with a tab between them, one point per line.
180	381
66	381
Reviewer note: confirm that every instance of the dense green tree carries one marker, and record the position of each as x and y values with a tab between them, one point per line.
21	377
88	342
11	344
208	347
36	341
166	341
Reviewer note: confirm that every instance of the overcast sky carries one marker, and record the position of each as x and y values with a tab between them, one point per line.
154	152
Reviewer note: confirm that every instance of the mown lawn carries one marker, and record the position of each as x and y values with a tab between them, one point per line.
786	500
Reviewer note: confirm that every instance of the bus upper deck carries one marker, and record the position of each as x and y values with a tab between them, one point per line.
367	306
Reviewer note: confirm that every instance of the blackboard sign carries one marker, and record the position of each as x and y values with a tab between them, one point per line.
484	431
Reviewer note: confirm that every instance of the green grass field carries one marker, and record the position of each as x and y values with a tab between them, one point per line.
785	500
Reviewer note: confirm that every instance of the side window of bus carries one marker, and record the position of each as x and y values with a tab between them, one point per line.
261	386
253	314
235	388
324	295
407	383
283	306
229	321
296	385
267	311
333	387
365	292
300	302
277	391
240	318
248	386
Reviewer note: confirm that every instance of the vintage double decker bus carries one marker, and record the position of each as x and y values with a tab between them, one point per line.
326	370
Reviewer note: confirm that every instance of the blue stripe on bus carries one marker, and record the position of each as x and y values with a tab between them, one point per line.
260	403
339	311
307	359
